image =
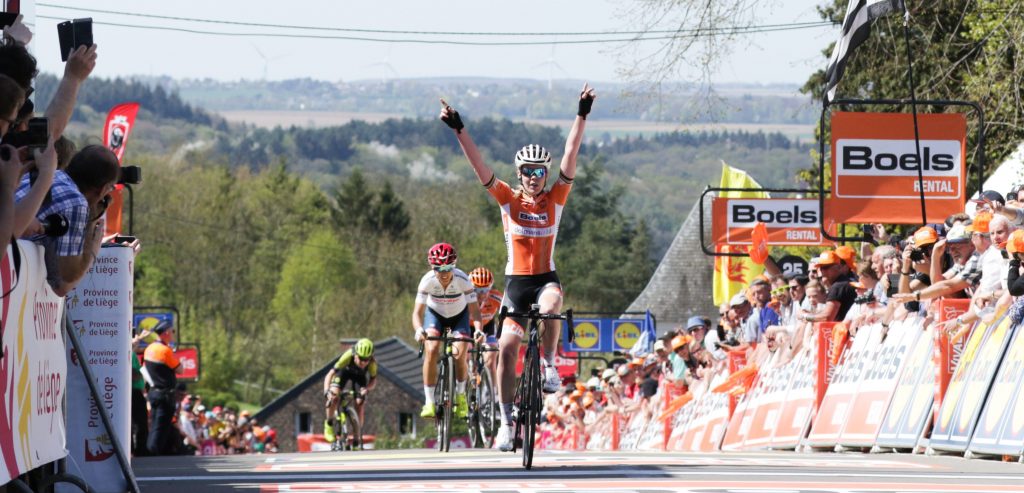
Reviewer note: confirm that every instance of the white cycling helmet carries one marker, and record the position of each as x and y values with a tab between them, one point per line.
533	155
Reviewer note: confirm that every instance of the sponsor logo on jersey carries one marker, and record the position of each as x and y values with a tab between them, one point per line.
541	217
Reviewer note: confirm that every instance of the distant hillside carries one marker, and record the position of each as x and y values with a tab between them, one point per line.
499	98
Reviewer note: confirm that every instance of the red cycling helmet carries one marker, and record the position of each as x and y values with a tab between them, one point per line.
442	254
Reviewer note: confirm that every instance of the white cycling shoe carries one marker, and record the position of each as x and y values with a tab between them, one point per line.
552	381
504	438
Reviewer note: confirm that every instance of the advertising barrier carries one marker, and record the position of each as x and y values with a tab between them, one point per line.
947	352
910	409
835	407
959	416
1000	429
766	409
798	407
878	383
875	167
100	309
33	371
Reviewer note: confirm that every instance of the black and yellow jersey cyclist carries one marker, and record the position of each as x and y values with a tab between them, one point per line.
358	366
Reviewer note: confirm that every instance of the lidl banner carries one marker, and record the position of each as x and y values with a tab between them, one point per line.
604	335
788	221
875	167
1000	430
33	372
147	320
969	387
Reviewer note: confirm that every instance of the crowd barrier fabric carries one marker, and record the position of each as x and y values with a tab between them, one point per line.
835	407
704	426
100	309
947	352
1000	430
743	418
969	386
877	384
765	410
911	406
798	407
33	372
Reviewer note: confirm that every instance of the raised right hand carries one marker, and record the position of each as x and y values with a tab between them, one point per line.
451	117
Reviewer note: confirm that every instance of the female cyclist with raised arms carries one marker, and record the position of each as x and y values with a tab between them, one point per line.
530	217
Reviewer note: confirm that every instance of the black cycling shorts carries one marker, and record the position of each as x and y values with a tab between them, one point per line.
348	374
523	291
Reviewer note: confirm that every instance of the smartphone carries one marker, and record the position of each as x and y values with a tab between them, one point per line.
8	18
72	34
38	133
124	239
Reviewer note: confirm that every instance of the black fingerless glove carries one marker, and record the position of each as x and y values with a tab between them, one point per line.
454	121
586	102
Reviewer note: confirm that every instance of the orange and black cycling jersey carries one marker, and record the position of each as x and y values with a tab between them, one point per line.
530	225
160	363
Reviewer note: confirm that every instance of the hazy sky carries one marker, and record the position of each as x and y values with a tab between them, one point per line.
769	57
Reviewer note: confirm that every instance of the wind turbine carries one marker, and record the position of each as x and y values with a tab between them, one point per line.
386	64
551	63
266	61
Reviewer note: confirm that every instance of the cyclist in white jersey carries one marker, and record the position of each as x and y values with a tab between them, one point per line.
445	298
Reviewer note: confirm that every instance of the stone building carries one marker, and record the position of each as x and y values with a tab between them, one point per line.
393	406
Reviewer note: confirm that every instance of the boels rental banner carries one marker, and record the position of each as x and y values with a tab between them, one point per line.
875	167
32	368
100	309
789	221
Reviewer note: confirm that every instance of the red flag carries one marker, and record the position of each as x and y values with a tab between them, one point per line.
759	248
119	124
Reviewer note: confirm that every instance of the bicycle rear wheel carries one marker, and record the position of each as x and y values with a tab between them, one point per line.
487	418
531	399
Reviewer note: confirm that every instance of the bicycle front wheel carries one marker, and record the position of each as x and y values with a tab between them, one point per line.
439	397
531	413
352	434
487	418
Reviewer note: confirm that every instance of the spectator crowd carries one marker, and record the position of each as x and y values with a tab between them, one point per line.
973	255
56	195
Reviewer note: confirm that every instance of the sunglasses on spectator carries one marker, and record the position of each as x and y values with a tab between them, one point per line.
534	172
444	268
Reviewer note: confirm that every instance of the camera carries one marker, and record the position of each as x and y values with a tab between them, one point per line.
55	225
865	298
37	136
916	255
129	175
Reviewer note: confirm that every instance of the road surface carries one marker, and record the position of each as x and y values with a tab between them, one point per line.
560	471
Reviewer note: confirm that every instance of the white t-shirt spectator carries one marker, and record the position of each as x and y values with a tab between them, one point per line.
993	270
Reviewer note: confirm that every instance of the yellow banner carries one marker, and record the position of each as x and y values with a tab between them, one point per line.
733	274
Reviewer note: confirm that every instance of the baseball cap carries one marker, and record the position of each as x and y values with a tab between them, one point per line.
162	326
737	300
925	236
980	223
848	255
607	373
594	383
697	321
1015	243
993	196
623	370
659	345
680	341
651	359
828	257
958	234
